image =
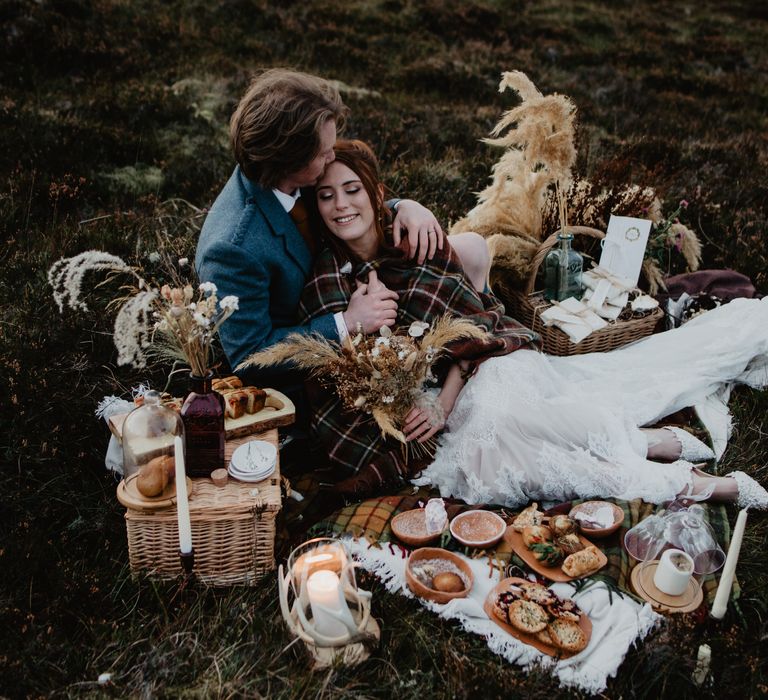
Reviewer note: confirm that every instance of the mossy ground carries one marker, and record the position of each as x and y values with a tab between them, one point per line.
113	131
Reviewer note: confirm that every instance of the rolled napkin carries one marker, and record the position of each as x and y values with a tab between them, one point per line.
573	318
607	293
607	310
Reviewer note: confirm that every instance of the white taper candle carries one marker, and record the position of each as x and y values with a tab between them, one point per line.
182	499
726	579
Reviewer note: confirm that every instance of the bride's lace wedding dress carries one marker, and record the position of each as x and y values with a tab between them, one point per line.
530	426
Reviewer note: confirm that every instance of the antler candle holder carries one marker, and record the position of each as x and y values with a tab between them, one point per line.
323	606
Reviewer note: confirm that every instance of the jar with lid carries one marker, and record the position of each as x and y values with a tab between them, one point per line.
148	432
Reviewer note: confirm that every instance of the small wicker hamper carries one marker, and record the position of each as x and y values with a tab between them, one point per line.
233	529
527	305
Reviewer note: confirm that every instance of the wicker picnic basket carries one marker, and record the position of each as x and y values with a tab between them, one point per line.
527	305
233	529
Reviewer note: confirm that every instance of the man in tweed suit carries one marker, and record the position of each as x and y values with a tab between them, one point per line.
254	243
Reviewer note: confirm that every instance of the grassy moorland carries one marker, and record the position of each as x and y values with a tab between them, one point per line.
113	132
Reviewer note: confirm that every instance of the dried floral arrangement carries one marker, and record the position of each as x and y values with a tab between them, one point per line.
384	375
172	321
592	204
533	193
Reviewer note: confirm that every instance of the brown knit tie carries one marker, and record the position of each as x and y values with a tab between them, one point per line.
301	219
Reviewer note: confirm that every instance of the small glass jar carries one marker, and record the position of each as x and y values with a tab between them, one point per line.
148	432
562	270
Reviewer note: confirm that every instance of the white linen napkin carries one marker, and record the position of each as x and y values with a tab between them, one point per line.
606	293
573	318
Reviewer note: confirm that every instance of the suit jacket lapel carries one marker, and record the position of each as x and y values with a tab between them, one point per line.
282	226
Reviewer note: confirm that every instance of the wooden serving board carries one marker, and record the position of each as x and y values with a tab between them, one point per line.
130	496
278	411
584	622
553	573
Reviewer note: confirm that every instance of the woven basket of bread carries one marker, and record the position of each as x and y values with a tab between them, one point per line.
233	529
527	305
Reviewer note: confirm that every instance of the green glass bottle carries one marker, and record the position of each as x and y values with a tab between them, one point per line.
562	270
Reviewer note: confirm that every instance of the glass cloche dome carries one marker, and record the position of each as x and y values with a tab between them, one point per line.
148	432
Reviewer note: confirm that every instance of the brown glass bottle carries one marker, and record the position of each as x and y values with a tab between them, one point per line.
203	418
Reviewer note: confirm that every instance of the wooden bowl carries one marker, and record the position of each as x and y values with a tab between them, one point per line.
589	507
422	591
410	527
478	528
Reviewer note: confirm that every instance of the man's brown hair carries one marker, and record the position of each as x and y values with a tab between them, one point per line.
275	128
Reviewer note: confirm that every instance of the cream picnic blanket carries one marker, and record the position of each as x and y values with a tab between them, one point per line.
617	622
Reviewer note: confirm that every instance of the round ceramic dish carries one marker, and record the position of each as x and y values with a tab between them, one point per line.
253	461
478	528
411	527
590	507
445	561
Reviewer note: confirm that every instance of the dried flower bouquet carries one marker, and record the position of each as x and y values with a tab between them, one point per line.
384	375
173	321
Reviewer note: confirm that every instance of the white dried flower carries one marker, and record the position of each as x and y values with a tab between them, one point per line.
375	352
201	320
385	331
66	275
230	303
381	341
207	288
154	257
417	328
388	399
183	262
132	329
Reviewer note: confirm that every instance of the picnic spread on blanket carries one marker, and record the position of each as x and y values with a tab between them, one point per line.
571	585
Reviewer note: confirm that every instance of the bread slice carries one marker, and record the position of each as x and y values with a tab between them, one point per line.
527	616
567	635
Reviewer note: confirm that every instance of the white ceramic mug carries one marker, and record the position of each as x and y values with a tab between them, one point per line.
673	572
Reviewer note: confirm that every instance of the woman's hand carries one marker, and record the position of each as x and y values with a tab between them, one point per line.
424	234
421	424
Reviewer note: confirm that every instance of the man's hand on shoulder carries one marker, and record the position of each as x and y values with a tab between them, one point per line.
372	306
423	232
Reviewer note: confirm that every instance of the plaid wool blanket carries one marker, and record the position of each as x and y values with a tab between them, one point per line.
371	519
426	292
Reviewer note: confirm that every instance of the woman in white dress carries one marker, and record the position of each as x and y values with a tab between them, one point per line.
528	426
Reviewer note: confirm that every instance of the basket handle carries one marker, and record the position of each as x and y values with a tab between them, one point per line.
548	244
